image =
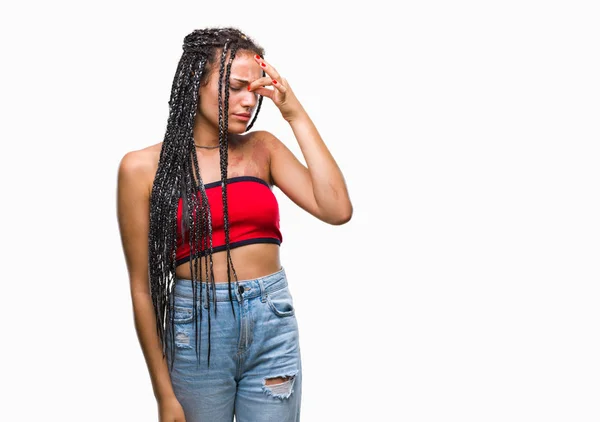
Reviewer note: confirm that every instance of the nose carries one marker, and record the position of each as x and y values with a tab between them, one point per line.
249	99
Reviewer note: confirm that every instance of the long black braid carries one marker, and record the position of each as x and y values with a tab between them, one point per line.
176	177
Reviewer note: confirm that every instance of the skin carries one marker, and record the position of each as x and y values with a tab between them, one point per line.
318	188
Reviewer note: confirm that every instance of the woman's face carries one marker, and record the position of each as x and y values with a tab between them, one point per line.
244	70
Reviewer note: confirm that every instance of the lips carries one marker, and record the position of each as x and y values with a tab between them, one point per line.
243	116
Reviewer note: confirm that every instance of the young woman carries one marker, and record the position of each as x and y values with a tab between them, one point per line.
199	225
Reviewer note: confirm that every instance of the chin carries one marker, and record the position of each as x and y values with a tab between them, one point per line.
238	127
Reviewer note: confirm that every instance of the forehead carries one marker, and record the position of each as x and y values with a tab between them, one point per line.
245	67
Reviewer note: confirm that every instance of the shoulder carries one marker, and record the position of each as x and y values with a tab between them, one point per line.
262	144
138	167
263	137
263	140
266	147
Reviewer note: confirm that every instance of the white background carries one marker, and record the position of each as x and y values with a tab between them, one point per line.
465	287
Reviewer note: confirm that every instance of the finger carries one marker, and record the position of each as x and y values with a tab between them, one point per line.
279	85
269	70
267	81
265	92
264	81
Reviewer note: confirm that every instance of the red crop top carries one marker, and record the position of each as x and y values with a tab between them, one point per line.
253	216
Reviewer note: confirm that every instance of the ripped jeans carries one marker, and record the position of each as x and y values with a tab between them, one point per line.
255	367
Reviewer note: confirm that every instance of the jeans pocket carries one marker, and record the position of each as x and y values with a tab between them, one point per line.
182	314
281	302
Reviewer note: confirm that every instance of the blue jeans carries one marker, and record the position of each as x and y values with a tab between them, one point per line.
260	343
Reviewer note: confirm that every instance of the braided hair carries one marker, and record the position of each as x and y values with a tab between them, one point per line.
174	179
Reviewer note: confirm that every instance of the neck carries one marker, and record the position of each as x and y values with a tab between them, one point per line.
204	134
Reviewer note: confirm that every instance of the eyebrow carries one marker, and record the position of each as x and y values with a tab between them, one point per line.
241	80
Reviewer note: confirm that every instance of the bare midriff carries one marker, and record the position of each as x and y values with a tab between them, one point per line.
249	261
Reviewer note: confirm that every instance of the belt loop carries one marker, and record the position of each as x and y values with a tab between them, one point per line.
263	291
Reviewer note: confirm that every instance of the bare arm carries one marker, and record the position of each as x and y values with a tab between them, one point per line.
319	189
133	213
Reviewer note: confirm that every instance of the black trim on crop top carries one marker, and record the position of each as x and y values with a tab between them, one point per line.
236	179
231	246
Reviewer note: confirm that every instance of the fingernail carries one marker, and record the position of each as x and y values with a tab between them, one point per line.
263	65
257	57
274	82
248	87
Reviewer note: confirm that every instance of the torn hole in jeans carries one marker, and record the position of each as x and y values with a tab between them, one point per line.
280	387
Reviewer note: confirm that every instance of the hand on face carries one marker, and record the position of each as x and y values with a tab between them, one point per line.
282	94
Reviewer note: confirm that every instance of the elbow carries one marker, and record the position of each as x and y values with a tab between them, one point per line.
342	217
